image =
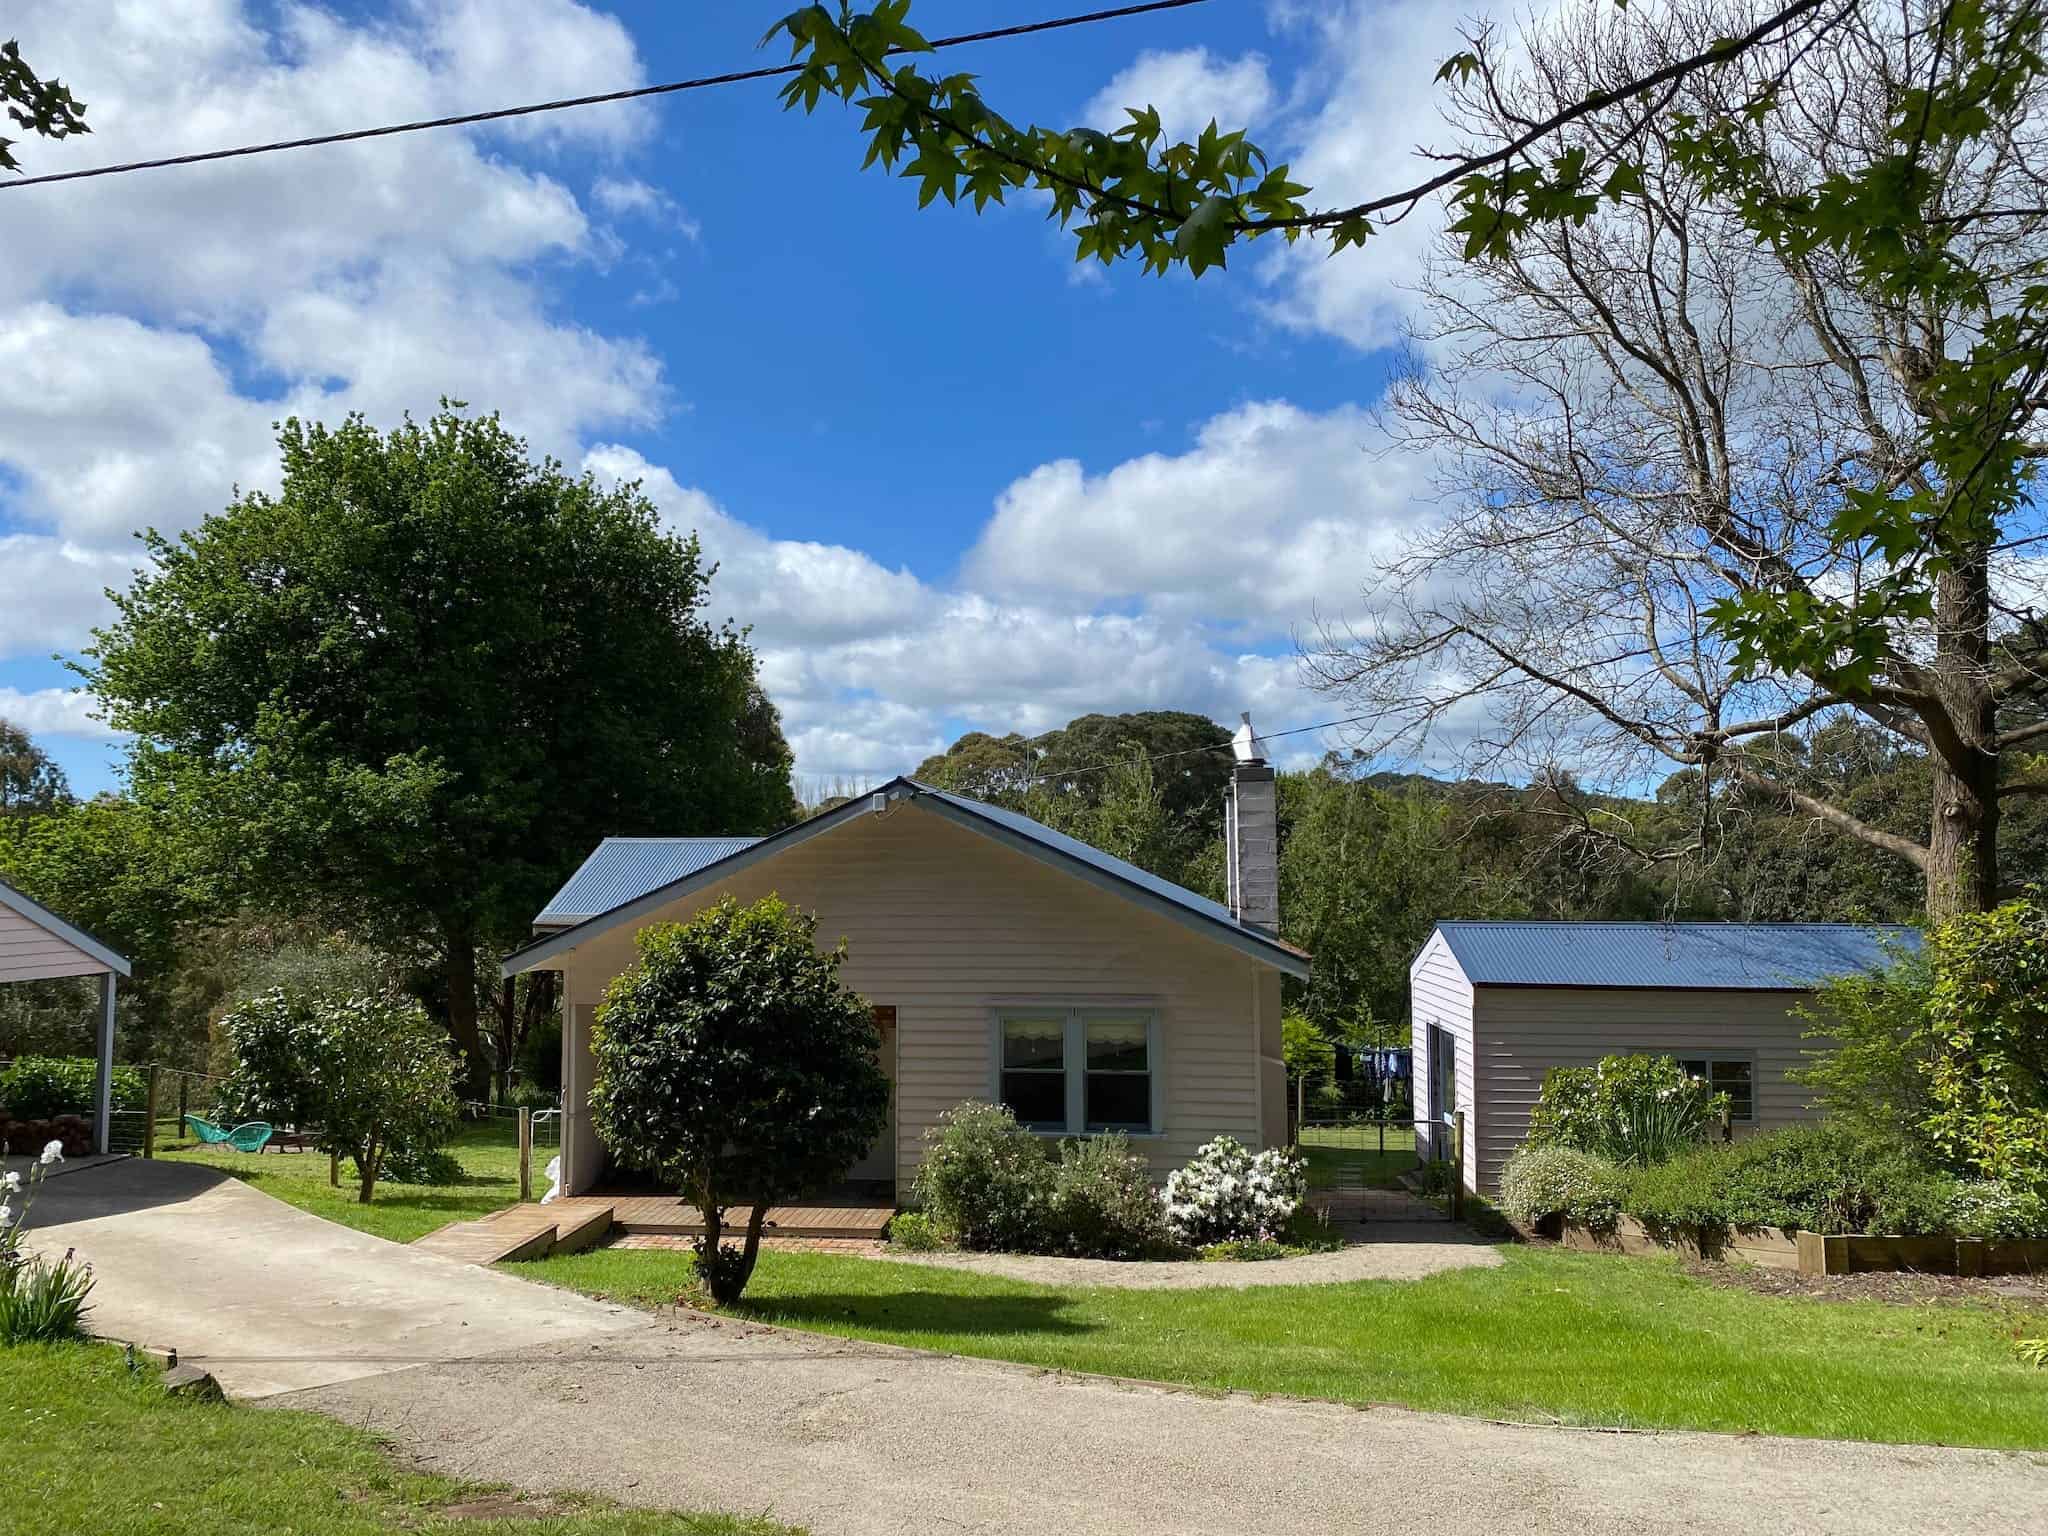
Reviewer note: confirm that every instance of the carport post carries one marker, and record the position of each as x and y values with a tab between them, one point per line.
103	1071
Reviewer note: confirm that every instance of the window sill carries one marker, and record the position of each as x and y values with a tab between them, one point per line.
1085	1135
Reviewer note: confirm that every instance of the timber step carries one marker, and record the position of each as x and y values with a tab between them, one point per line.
519	1233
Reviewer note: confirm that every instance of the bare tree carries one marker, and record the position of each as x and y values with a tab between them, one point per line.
1636	416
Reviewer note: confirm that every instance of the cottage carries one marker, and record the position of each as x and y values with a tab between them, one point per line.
1004	961
1496	1005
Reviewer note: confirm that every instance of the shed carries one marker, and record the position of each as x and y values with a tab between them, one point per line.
1496	1005
38	945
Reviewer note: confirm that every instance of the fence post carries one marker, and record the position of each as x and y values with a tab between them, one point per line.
149	1111
525	1153
1458	1166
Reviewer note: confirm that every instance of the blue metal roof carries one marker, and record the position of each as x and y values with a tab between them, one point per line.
622	868
1758	957
626	876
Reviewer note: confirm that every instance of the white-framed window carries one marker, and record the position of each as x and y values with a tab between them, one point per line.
1730	1073
1079	1070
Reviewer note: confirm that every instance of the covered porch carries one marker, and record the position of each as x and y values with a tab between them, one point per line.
38	945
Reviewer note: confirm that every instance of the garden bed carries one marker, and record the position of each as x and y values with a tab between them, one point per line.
1813	1253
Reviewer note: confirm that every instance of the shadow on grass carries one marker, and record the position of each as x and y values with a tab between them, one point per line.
918	1312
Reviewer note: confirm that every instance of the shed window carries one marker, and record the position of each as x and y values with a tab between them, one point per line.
1732	1075
1072	1071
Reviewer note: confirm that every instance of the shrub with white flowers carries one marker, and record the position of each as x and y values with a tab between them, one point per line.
41	1300
1228	1194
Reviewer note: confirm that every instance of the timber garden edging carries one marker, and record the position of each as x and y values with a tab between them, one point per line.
1813	1253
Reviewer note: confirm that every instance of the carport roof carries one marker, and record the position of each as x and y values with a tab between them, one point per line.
24	906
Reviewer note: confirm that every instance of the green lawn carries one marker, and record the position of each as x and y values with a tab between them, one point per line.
401	1212
1551	1336
90	1446
1351	1154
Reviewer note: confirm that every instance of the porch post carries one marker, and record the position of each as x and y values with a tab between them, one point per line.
103	1071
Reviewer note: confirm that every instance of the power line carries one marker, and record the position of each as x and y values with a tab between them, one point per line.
701	82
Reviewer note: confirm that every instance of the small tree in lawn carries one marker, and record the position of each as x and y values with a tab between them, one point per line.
732	1062
371	1072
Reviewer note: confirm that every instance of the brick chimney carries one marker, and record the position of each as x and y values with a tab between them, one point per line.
1251	830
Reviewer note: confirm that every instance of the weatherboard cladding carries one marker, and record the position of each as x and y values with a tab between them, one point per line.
1762	957
622	868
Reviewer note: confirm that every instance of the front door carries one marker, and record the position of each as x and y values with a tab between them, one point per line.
879	1166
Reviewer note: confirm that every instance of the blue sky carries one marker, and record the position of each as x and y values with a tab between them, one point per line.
954	481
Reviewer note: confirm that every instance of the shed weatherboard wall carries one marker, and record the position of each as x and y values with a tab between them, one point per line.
1440	995
29	951
945	926
1522	1032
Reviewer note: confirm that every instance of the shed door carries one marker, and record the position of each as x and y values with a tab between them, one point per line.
1443	1087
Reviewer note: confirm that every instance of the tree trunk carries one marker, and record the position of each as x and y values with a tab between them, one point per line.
1962	844
510	1037
458	974
367	1159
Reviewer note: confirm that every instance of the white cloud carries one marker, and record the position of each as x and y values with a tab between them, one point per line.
1168	581
52	712
1189	88
627	197
159	323
1274	512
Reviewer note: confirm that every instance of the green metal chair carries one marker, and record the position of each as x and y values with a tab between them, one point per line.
248	1137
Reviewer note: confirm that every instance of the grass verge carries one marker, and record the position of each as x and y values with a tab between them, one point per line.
1550	1336
92	1446
401	1212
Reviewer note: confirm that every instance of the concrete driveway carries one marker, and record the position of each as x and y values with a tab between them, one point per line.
854	1439
490	1377
273	1300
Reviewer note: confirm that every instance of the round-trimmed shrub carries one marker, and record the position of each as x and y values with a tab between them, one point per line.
986	1180
913	1232
1540	1182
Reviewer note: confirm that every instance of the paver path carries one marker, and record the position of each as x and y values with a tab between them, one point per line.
854	1439
271	1299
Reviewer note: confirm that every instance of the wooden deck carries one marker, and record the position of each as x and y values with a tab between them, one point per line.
583	1221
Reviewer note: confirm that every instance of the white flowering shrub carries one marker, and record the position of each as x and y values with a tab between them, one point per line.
1228	1194
1993	1208
41	1301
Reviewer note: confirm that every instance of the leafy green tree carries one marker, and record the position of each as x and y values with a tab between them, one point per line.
1987	1017
44	107
370	1072
1146	786
29	779
1134	193
406	693
732	1063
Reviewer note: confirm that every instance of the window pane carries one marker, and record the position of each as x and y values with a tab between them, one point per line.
1732	1078
1117	1045
1119	1101
1037	1099
1693	1066
1035	1042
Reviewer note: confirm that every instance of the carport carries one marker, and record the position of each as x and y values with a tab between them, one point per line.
38	945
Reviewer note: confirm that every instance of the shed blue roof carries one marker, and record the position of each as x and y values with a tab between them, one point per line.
622	868
1755	957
